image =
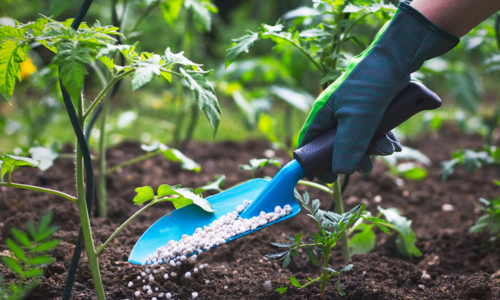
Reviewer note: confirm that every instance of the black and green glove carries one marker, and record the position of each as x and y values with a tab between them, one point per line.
357	100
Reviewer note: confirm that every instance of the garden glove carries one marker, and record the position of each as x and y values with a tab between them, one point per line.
357	100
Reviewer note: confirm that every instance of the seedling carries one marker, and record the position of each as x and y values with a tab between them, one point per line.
331	227
363	237
26	256
471	160
490	220
254	164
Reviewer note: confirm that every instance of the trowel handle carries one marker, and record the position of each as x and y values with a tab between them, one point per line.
416	97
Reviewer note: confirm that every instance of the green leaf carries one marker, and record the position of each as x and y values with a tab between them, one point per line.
170	59
295	282
21	237
45	155
466	88
364	241
448	168
315	205
331	76
12	264
11	33
213	185
240	45
314	33
170	11
108	62
58	6
45	221
311	255
18	252
11	54
346	268
184	196
282	290
300	99
287	245
255	164
45	234
47	246
33	273
144	194
481	224
204	95
331	270
40	260
12	161
405	241
145	71
277	255
72	59
201	10
411	171
339	288
286	260
177	156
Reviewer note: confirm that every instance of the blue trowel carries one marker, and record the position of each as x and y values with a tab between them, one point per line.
266	195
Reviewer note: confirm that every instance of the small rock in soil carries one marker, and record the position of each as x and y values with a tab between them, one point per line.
268	286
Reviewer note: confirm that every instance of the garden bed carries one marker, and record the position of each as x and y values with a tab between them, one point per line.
459	264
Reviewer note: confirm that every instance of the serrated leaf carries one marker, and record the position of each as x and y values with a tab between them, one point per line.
213	185
171	10
241	45
145	71
72	59
170	59
12	33
108	62
58	6
12	161
286	260
311	255
204	95
11	54
184	196
287	245
45	155
295	282
40	260
14	248
177	156
201	10
21	237
144	194
12	264
277	255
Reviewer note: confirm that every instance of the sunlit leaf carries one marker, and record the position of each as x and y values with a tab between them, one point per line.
171	10
183	197
11	54
45	155
145	71
144	194
241	45
213	185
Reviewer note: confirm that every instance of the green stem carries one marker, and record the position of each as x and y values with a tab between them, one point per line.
318	66
85	222
133	161
39	189
191	127
312	281
324	275
102	159
339	207
103	93
144	15
316	186
117	231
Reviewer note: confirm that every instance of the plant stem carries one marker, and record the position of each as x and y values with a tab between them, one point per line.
102	159
144	15
316	186
132	161
117	231
312	281
103	93
324	274
191	127
339	207
39	189
85	222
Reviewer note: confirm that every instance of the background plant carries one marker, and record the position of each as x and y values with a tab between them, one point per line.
26	254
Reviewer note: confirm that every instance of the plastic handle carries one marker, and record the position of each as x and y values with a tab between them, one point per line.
416	97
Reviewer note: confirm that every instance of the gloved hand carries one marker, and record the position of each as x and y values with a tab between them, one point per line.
358	99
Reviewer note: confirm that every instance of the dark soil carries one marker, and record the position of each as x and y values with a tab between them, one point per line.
460	265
